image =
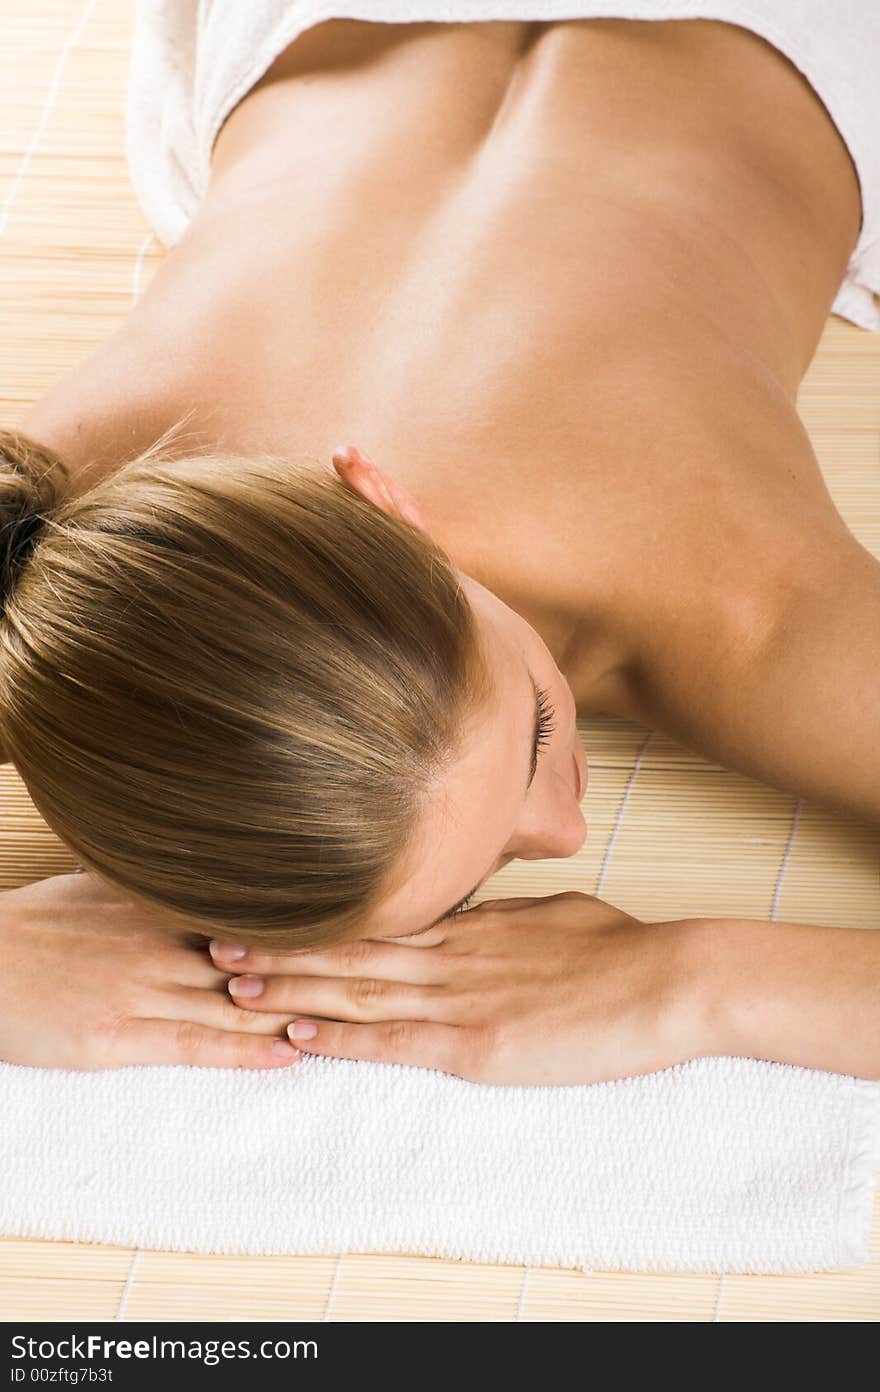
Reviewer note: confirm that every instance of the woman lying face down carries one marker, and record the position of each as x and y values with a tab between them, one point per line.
264	709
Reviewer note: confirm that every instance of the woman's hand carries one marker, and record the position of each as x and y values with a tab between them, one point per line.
89	979
563	989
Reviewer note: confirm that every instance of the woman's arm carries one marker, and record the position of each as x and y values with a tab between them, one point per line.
90	979
569	989
759	629
798	708
793	992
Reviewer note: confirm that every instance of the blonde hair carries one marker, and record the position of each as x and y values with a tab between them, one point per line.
229	683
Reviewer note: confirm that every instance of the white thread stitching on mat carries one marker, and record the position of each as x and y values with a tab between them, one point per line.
774	908
521	1304
332	1291
613	837
47	112
129	1280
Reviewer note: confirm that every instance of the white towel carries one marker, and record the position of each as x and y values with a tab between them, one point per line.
719	1164
193	60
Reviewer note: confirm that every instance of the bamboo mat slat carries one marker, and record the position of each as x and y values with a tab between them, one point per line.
694	839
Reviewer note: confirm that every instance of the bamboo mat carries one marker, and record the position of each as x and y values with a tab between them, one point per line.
670	835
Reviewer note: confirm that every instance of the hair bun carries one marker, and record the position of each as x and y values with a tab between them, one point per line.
32	479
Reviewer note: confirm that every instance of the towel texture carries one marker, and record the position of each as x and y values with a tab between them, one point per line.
719	1164
193	60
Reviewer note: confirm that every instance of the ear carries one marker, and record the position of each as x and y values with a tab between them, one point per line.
371	482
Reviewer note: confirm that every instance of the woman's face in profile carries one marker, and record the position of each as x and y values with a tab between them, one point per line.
485	811
497	802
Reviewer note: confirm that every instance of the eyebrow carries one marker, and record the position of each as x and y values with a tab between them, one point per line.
533	767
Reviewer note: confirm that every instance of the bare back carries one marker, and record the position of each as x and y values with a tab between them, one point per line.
561	280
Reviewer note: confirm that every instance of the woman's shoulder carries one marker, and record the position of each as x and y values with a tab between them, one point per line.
108	408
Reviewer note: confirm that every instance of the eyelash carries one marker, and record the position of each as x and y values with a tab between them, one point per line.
545	718
459	908
545	729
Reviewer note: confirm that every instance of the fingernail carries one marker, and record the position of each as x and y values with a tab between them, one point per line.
303	1029
354	456
230	952
347	453
282	1049
247	985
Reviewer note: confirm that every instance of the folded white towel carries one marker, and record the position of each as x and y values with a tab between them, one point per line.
719	1164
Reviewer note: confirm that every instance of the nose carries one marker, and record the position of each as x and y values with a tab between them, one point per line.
559	835
553	828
